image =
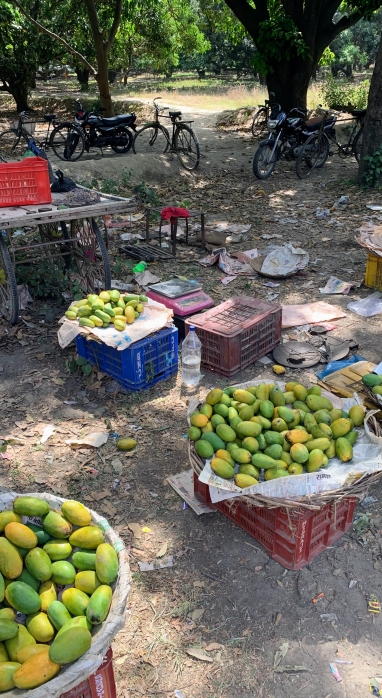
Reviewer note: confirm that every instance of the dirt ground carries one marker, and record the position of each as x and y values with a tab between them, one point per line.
223	593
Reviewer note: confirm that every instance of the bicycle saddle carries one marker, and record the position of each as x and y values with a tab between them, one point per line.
49	117
175	113
358	112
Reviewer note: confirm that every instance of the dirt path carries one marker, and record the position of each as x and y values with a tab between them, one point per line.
223	591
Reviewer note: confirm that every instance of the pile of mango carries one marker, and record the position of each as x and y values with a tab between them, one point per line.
34	566
108	307
373	381
265	429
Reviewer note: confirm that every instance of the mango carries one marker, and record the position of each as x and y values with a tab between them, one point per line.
250	444
247	413
240	455
290	385
322	444
264	423
214	396
88	537
260	461
207	410
38	564
22	597
357	414
7	614
208	427
352	437
7	672
198	420
76	513
266	409
344	450
273	437
299	453
232	413
42	536
286	414
84	560
231	447
249	469
279	425
221	468
377	390
276	397
36	671
40	627
289	397
99	604
30	651
274	451
126	444
238	442
30	506
204	449
300	392
274	473
225	432
3	655
243	481
70	645
58	614
295	469
323	416
299	405
87	581
11	563
8	629
325	462
340	427
325	429
106	563
286	457
314	390
76	601
7	517
225	455
262	442
335	414
63	572
27	578
78	621
234	422
221	410
194	433
244	396
56	525
371	379
58	549
245	429
47	593
309	421
330	452
315	460
214	440
279	370
15	644
297	436
317	402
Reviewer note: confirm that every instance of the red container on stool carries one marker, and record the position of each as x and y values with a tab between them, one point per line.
99	685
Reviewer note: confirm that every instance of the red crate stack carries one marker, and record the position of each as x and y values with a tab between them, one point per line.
99	685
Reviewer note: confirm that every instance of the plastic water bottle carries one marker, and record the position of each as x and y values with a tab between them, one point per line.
141	266
191	356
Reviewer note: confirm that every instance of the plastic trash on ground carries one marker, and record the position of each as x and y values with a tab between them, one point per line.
339	365
367	307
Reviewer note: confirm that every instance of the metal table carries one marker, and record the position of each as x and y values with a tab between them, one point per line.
67	235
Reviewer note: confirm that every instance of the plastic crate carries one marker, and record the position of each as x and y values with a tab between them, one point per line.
236	333
141	365
25	182
291	538
373	274
100	684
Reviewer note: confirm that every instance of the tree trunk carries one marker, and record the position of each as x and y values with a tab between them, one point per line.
372	133
290	82
19	93
102	79
82	74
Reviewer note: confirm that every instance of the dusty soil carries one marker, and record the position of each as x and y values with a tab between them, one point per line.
223	592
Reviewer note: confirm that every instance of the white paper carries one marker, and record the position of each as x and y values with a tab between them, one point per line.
283	260
95	439
183	484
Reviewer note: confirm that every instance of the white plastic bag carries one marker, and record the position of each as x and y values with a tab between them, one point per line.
367	307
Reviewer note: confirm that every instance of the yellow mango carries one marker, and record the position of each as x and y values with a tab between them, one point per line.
47	594
88	537
11	562
76	513
129	314
87	581
40	627
36	671
22	639
7	517
30	651
7	672
297	436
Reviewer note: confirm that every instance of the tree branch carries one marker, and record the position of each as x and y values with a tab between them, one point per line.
93	18
52	35
115	26
249	16
330	31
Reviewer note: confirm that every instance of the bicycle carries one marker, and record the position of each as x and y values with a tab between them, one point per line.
260	120
153	137
315	151
65	139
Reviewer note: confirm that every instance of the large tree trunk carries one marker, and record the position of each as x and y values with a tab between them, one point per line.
82	75
19	93
372	134
102	79
290	82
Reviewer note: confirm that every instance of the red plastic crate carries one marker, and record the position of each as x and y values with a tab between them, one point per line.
99	685
236	333
293	539
25	182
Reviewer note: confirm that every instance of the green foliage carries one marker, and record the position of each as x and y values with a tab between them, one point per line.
122	267
78	362
338	94
279	39
43	278
373	170
327	57
145	194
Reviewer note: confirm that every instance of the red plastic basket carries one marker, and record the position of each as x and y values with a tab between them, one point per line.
25	182
291	538
236	333
99	685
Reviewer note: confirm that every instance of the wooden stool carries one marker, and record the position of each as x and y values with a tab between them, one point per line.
174	226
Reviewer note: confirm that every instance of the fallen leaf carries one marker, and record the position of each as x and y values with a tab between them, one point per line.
58	381
197	614
163	550
245	632
135	529
278	618
146	529
198	654
213	646
201	585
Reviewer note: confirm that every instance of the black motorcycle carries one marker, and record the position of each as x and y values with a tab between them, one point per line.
287	134
100	132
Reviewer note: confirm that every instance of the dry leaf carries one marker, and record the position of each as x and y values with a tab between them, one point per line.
245	632
198	654
135	529
197	614
163	550
201	585
213	646
58	381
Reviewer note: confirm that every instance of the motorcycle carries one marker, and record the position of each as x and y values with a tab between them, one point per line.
100	131
287	134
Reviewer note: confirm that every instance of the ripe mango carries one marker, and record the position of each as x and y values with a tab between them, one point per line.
286	414
126	444
88	537
36	671
214	440
250	444
221	468
297	436
245	429
56	525
75	601
241	455
344	450
244	396
317	402
106	563
279	370
208	427
299	453
42	536
315	460
225	455
194	433
63	572
340	427
225	432
204	449
244	481
322	444
295	469
198	420
78	621
47	593
274	473
84	560
357	415
8	629
259	460
214	396
38	564
11	563
58	549
7	517
323	416
266	409
249	469
99	604
300	392
7	672
7	614
87	581
22	597
58	614
30	651
40	627
15	644
290	385
207	410
331	451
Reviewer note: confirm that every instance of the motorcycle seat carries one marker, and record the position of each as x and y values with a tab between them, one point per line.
314	123
116	120
358	112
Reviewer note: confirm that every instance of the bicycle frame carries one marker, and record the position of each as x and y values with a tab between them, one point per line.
175	120
43	143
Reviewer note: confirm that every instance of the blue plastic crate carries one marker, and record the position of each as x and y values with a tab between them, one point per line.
141	365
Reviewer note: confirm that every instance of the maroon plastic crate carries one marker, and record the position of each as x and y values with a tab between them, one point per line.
291	538
98	685
236	333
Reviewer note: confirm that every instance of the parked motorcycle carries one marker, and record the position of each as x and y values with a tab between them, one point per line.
100	132
287	134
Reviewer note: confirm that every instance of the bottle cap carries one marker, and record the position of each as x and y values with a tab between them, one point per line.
192	327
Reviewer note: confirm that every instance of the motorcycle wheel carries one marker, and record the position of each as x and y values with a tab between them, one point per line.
264	161
123	140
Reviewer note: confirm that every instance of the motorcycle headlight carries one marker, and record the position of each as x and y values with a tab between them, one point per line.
272	123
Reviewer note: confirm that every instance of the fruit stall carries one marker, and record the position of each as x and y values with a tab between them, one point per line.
286	462
64	584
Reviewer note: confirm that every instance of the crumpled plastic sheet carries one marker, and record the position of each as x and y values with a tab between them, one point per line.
73	674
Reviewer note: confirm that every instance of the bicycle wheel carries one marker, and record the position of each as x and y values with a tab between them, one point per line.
259	123
264	161
13	144
9	299
123	140
151	138
187	147
313	154
89	251
67	142
357	144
